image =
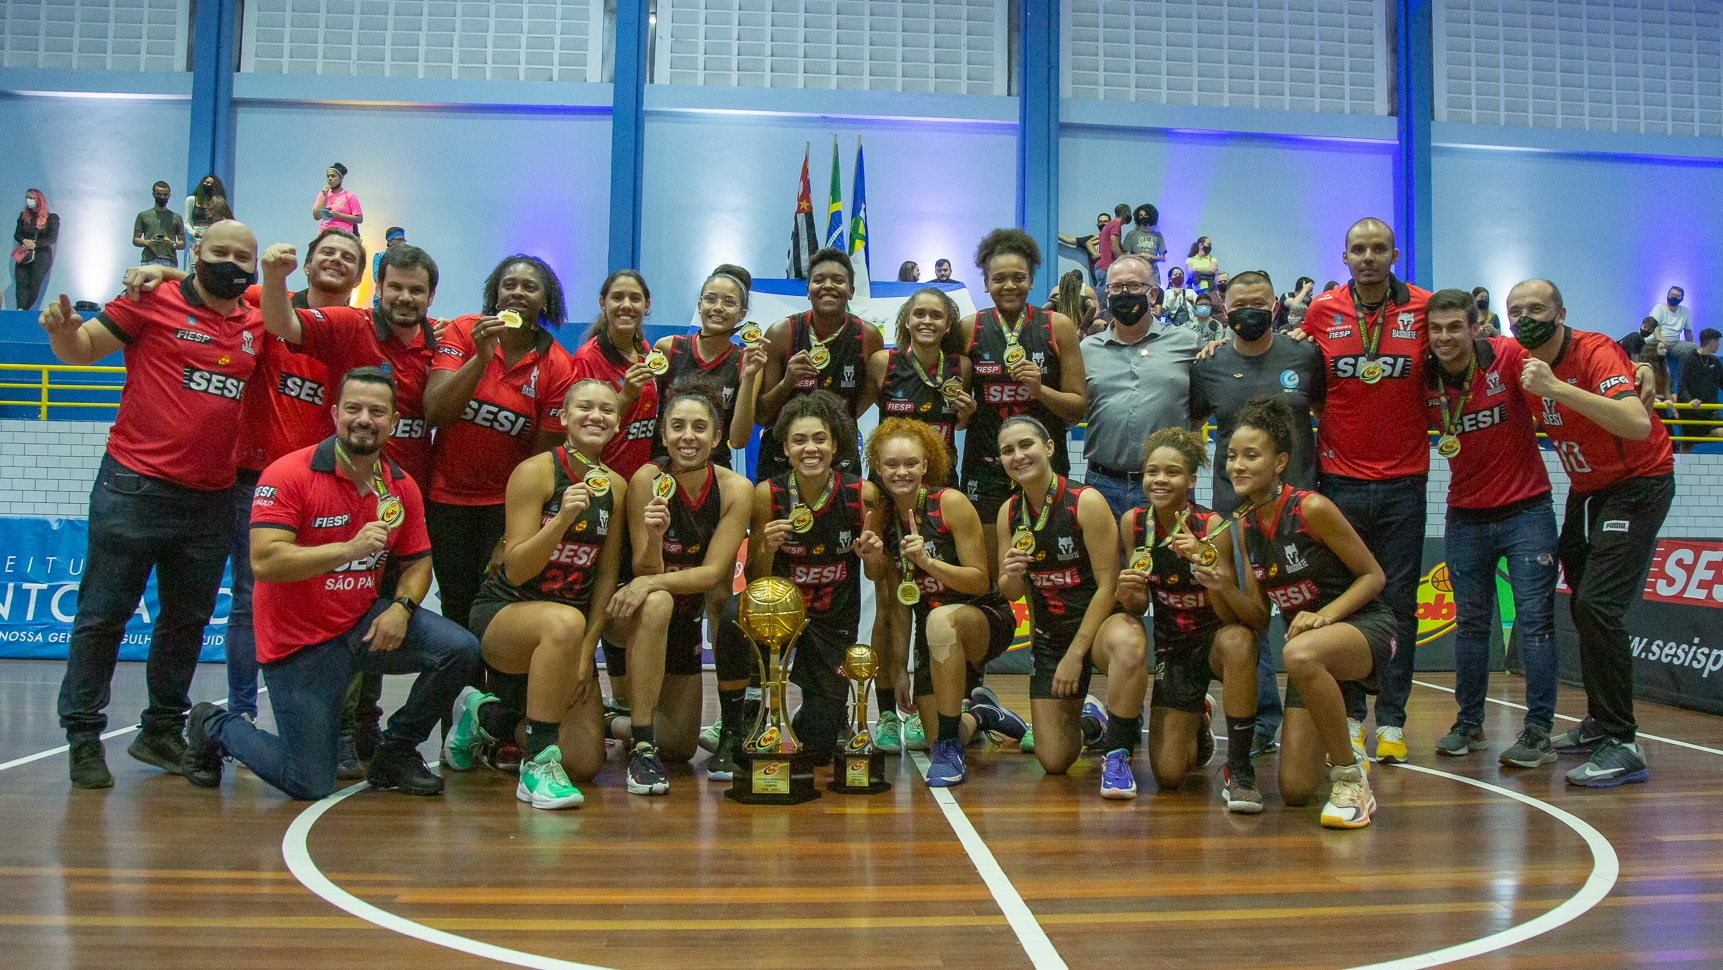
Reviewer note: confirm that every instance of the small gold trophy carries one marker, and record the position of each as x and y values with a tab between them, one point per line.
858	768
775	769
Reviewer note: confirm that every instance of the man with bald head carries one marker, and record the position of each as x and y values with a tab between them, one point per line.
160	500
1617	455
1372	446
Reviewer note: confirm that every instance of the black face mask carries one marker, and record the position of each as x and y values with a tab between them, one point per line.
1249	322
1128	308
1533	333
1674	301
225	280
1483	305
1143	223
161	203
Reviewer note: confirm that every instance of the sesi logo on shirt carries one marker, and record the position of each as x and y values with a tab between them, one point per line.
299	389
1393	365
496	418
212	383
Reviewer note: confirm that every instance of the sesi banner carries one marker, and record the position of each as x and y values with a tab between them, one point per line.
41	563
1686	571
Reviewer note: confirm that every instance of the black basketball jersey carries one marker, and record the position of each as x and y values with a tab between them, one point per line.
572	572
1293	567
998	396
906	395
725	372
940	544
1180	603
1061	579
820	561
842	375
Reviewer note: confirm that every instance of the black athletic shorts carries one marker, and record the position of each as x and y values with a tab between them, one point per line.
1046	648
1001	627
683	643
1380	630
819	659
1182	673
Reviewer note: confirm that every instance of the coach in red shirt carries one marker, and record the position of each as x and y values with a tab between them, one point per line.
1618	457
1498	507
160	500
325	520
1375	455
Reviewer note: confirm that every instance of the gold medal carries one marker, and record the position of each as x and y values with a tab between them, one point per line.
511	319
820	356
664	486
1143	560
390	511
751	333
1014	354
1023	540
908	593
657	363
951	388
1207	554
597	482
1448	445
1370	372
801	518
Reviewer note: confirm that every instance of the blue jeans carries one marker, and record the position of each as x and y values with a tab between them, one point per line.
1389	516
308	688
241	640
1528	541
1121	495
1268	709
139	523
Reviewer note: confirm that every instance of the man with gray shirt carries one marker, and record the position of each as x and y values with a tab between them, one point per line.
1138	374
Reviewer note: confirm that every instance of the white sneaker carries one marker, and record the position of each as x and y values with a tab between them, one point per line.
1350	804
1356	730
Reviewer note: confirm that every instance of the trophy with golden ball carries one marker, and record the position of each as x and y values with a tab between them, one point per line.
775	770
858	768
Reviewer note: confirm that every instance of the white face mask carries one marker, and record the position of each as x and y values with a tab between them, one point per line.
29	203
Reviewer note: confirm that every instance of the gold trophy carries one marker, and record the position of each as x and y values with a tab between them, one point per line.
858	768
775	769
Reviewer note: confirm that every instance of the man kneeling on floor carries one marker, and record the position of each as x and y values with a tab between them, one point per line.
324	522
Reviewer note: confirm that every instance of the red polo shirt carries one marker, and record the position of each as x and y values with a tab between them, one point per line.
347	337
632	445
186	371
286	405
305	494
1499	463
475	456
1372	431
1594	458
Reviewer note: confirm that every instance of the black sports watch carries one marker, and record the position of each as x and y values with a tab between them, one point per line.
407	601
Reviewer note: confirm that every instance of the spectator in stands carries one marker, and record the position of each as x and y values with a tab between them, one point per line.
1089	246
909	272
1675	324
336	207
1145	240
199	206
159	231
1208	314
1076	300
32	260
1293	305
1701	377
942	271
1634	343
1656	353
1111	240
1489	325
1200	265
1176	307
395	238
1331	284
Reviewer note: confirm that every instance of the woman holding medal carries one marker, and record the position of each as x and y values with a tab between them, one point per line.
540	610
815	526
616	352
1306	560
962	623
710	356
687	516
1059	547
1025	361
1196	637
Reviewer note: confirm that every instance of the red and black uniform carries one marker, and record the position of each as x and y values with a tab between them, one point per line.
286	405
824	566
631	447
906	395
723	371
571	573
940	544
1372	431
1621	493
998	396
693	522
842	375
499	425
1298	573
1498	471
1184	617
1061	583
347	337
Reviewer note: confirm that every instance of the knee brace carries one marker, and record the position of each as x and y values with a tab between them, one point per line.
941	635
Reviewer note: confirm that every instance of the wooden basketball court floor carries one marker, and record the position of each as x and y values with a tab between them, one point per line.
1466	862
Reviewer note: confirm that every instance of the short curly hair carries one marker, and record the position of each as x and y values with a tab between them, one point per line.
1189	444
1000	242
830	410
1273	417
932	447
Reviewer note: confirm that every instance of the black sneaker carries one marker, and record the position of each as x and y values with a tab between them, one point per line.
401	769
347	764
1205	735
201	762
1582	738
89	763
1262	743
722	765
162	746
1614	762
645	771
1532	750
1462	739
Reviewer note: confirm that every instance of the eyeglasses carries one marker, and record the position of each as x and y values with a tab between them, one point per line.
1134	289
727	302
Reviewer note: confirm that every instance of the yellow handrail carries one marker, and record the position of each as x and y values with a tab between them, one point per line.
46	384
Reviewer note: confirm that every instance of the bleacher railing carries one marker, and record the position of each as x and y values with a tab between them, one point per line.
69	391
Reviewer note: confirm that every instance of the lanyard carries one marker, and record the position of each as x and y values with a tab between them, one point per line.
377	484
1371	337
1013	335
921	372
908	526
825	496
1451	420
1178	525
1046	506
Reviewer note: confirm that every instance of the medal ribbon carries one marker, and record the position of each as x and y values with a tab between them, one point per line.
1046	507
1370	337
1178	526
1013	335
1241	513
921	372
1451	420
815	341
588	462
825	496
377	484
908	525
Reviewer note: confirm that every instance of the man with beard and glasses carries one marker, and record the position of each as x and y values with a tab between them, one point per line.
325	522
161	498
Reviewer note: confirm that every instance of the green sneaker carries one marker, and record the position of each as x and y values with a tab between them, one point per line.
461	747
1028	742
709	737
914	738
888	733
544	784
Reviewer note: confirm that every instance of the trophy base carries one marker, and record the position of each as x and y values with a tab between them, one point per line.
773	779
858	774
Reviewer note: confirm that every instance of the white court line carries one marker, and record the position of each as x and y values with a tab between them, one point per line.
1604	869
1023	923
1563	717
62	749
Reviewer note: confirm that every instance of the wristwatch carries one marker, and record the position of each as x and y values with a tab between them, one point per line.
407	601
